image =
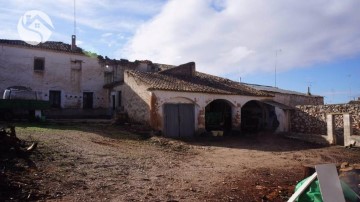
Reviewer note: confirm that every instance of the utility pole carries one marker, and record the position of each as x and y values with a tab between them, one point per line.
75	17
276	55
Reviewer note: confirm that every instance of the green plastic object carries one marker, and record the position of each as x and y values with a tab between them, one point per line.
313	193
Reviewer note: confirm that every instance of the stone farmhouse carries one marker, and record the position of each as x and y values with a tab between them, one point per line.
174	100
181	101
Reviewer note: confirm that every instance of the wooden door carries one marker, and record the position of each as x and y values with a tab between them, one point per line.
179	120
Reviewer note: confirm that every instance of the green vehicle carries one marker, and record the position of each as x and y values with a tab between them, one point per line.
21	102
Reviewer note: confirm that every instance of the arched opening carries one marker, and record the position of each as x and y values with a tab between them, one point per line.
257	116
218	116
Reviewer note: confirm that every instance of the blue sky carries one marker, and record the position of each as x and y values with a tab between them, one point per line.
319	40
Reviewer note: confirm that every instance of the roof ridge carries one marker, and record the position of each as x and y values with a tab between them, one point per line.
47	45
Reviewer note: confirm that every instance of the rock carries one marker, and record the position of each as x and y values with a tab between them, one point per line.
258	187
346	169
344	165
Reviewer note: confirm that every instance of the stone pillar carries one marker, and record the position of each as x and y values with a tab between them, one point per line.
347	129
330	128
236	118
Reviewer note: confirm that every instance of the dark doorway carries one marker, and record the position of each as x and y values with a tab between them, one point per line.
218	116
55	98
113	102
88	100
252	117
339	129
179	120
257	116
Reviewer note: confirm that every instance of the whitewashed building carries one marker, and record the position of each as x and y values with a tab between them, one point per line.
77	84
178	101
181	102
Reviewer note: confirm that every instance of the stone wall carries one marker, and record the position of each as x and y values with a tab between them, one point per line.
311	119
136	99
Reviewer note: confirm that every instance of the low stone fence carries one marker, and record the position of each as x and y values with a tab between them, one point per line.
312	120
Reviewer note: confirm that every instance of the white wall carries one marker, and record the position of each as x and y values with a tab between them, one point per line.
201	100
17	68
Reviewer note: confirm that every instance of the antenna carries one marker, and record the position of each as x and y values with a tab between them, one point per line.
309	84
276	54
74	17
349	75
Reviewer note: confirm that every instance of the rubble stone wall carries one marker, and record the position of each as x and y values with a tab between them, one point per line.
311	119
135	100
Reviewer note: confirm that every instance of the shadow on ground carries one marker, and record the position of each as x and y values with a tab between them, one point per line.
260	141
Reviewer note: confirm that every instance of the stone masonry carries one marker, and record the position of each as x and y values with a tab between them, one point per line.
311	119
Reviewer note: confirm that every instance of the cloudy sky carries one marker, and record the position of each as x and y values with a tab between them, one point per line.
311	43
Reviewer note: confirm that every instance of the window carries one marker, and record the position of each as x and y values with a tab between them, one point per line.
39	64
55	98
76	64
108	77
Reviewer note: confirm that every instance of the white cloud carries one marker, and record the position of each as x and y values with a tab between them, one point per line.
94	20
102	15
241	36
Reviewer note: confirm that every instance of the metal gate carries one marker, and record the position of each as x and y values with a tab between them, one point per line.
179	120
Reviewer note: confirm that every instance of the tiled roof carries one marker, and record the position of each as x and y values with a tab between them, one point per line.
49	45
199	82
276	90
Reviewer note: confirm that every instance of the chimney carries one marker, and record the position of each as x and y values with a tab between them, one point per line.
187	69
309	93
73	42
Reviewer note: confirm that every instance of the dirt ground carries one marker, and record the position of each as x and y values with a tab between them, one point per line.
102	162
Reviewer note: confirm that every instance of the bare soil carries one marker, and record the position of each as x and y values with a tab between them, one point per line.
102	162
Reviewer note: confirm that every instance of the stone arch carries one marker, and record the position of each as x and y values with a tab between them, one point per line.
179	100
218	115
258	116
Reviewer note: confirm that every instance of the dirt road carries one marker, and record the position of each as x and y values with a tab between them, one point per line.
101	162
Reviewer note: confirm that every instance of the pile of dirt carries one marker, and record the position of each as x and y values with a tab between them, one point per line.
174	145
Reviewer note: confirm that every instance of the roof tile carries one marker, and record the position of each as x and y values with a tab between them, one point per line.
200	82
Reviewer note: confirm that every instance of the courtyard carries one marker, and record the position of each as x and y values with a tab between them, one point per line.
103	162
